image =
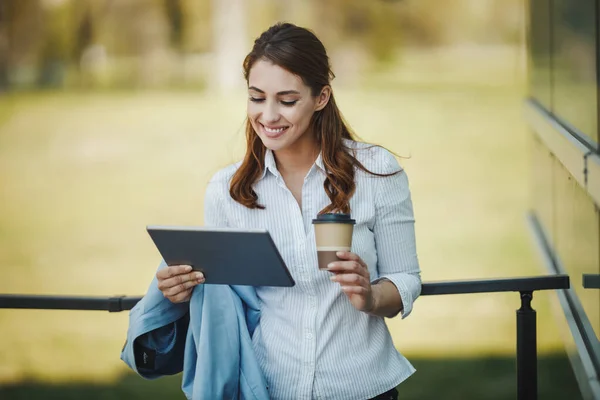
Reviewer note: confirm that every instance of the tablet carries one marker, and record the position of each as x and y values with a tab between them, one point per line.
224	255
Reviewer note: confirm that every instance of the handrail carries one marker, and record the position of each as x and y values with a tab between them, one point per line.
49	302
591	281
524	284
526	316
123	303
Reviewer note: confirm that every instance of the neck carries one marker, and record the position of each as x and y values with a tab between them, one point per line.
298	159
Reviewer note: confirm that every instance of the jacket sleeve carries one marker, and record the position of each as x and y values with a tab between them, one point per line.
156	335
157	332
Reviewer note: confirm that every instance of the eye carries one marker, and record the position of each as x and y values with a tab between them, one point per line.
255	100
289	103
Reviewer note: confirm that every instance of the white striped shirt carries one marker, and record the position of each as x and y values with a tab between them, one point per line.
311	342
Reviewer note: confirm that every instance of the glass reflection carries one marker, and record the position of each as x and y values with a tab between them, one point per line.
574	65
542	161
578	239
539	51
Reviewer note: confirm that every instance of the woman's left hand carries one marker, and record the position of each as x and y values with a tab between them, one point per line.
352	274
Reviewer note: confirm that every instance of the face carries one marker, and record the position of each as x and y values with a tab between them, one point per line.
280	106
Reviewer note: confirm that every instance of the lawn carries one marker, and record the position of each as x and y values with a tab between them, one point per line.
81	175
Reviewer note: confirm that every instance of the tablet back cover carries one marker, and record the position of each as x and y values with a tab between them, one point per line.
225	256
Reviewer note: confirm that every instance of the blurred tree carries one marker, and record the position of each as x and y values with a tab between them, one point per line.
133	38
3	47
20	38
84	29
432	22
56	45
88	50
376	25
147	42
175	17
196	30
229	46
299	12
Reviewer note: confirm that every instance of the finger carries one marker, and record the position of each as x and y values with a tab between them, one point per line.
350	279
177	290
173	270
347	267
348	255
355	290
180	297
182	281
179	279
179	269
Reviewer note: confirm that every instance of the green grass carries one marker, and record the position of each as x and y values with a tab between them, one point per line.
83	174
490	378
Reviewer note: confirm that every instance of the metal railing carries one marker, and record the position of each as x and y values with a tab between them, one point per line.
526	315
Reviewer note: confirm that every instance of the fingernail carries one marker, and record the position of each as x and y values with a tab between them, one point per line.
199	275
330	265
333	278
188	268
339	253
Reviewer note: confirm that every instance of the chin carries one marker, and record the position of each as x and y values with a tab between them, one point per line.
273	145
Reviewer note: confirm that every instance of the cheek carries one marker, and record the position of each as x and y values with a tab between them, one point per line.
252	110
299	117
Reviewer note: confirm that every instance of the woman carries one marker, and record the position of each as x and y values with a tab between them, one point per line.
326	336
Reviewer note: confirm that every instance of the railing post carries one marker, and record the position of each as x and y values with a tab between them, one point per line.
526	349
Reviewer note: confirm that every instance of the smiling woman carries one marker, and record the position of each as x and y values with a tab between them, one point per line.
292	112
280	118
325	337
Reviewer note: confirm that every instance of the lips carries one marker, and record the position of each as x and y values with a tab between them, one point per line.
273	132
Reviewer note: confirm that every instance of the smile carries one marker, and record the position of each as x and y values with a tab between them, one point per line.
274	132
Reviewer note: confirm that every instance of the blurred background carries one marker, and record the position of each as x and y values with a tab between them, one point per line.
115	114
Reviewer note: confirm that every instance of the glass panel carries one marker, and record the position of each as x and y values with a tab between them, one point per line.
574	65
578	239
539	51
542	198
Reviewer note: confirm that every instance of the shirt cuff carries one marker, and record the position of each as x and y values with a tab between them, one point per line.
409	288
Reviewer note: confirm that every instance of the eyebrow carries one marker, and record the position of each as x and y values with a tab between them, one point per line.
282	93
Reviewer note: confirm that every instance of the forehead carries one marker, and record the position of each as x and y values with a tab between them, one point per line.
271	78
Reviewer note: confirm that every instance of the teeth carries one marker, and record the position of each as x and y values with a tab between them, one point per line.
274	130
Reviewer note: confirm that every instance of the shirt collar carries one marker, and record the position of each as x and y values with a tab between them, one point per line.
269	164
319	162
272	167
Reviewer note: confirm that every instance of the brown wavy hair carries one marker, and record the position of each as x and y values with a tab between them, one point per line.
300	52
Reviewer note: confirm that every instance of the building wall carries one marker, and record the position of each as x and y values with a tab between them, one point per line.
562	112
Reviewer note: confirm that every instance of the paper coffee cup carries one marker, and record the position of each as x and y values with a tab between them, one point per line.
333	233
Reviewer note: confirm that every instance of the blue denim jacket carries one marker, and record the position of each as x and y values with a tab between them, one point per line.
208	338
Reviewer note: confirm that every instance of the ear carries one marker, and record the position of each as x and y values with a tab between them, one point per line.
323	98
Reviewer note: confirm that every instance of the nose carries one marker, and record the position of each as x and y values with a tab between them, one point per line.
270	112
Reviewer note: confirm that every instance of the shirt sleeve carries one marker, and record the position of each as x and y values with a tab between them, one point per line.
395	234
214	202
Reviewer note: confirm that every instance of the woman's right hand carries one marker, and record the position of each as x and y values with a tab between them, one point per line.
176	282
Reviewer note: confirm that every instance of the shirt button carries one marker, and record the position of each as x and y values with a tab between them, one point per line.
309	335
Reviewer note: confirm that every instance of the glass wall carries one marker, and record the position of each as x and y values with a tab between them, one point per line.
563	89
576	239
540	52
563	73
542	163
574	73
